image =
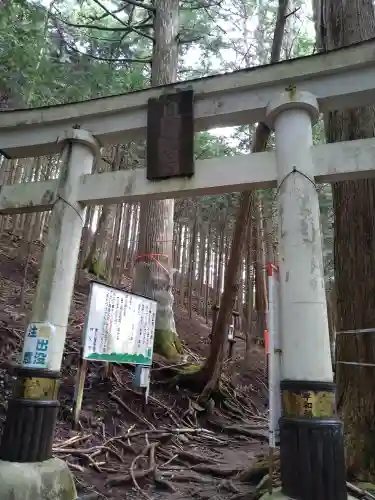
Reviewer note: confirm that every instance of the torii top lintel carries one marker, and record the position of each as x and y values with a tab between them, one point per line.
339	79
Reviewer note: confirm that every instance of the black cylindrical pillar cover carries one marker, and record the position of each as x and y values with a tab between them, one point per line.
312	459
31	417
311	442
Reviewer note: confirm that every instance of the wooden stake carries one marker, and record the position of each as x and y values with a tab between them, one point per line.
78	391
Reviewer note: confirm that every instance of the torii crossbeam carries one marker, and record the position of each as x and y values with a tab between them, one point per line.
289	96
339	79
350	160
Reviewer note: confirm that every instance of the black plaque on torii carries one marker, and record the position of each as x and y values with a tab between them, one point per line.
170	136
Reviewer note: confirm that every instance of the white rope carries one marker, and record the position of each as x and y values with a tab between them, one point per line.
366	330
355	363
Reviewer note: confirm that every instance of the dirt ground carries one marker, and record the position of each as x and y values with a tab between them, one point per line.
172	448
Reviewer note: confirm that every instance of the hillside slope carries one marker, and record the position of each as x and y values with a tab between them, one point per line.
116	426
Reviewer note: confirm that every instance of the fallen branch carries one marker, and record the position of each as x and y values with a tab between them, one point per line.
72	440
254	433
172	414
258	468
163	483
146	472
215	471
128	409
195	458
76	467
76	451
186	476
135	475
228	485
247	495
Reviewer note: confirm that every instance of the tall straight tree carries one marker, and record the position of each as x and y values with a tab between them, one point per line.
340	23
124	36
153	266
208	377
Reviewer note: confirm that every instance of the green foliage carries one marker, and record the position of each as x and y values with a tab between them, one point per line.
208	145
21	36
70	50
40	63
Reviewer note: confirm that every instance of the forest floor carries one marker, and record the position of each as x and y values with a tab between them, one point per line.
172	448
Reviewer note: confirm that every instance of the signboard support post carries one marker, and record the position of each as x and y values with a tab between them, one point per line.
142	380
78	391
33	408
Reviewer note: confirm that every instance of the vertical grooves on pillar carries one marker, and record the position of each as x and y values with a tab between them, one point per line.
311	443
28	431
32	411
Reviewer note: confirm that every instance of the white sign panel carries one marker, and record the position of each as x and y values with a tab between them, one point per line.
274	363
120	326
37	345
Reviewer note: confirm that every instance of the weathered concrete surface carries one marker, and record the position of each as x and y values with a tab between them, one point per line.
277	495
49	480
340	79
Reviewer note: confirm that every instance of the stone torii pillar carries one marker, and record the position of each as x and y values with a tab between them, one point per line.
311	436
27	469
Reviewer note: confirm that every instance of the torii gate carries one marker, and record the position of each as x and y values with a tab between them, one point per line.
289	97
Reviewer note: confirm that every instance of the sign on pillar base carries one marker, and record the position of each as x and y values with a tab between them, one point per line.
31	417
311	442
32	410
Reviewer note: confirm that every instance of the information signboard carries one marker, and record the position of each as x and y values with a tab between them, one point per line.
120	326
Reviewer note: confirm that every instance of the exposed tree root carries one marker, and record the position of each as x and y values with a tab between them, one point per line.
247	496
250	431
133	474
162	462
163	483
231	400
187	476
259	467
195	458
194	380
215	470
228	485
258	474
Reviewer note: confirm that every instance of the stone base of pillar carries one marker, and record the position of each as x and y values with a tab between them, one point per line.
48	480
31	417
312	458
278	495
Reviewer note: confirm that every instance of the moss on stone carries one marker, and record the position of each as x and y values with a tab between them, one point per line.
61	489
167	344
370	487
48	480
277	495
190	368
95	267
